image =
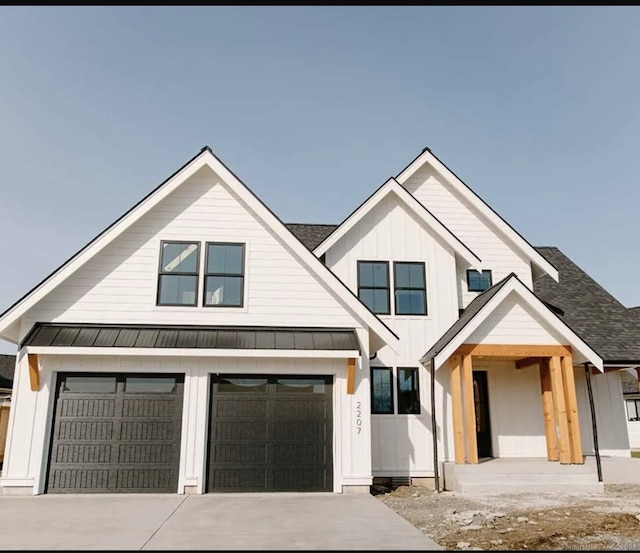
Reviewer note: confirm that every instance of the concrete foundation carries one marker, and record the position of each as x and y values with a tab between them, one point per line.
355	489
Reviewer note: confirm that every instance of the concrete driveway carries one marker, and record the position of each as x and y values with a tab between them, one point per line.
214	521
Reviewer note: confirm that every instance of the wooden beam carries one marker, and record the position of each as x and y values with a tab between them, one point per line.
34	374
528	362
547	410
557	388
351	375
513	350
571	401
469	410
456	406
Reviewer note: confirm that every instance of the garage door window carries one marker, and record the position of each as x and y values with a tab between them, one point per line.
242	385
300	386
90	384
146	385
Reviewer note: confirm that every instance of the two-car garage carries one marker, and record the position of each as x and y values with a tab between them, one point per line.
122	433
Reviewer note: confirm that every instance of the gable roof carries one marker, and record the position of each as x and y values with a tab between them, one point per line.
7	368
484	304
393	187
609	327
206	158
481	206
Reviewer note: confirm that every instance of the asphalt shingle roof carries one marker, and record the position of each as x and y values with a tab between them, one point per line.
611	329
311	235
7	366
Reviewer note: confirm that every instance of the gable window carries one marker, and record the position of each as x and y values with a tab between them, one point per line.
633	409
408	391
373	285
381	391
178	278
410	289
478	282
224	276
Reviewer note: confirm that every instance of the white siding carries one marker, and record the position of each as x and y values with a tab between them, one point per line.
457	214
611	417
402	443
513	322
31	414
119	284
515	409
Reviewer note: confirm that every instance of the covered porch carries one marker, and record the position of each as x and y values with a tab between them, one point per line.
519	388
470	411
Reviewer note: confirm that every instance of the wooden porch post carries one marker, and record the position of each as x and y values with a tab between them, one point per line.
456	404
469	410
571	401
557	389
547	410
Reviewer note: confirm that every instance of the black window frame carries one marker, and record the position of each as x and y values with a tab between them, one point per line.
164	273
387	287
207	274
416	389
636	401
396	288
391	391
469	271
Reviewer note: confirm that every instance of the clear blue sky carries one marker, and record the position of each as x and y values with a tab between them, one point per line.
537	109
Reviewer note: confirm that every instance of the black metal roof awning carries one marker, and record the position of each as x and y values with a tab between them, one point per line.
193	337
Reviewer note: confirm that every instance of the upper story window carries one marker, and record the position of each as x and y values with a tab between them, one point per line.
224	276
178	278
373	286
633	409
478	282
410	288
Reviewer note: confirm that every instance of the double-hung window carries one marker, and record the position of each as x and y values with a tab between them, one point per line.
224	276
381	391
373	286
178	278
408	391
410	288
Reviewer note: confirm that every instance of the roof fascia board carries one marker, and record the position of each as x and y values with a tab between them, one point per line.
393	186
13	313
475	200
204	158
515	285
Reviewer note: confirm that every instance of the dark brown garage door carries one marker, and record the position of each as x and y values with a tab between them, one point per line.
116	433
270	433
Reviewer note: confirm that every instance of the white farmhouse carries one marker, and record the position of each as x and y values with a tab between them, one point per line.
200	345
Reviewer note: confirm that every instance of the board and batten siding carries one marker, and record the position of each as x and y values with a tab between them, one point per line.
389	232
119	284
459	216
514	322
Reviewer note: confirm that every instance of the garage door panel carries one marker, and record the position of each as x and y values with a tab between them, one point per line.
87	408
240	453
240	407
297	454
85	431
83	453
257	438
299	479
116	441
306	409
240	479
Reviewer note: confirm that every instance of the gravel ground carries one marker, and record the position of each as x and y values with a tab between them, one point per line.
542	521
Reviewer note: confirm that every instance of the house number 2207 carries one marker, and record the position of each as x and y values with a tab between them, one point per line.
359	416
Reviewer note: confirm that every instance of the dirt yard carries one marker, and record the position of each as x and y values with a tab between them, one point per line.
542	521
